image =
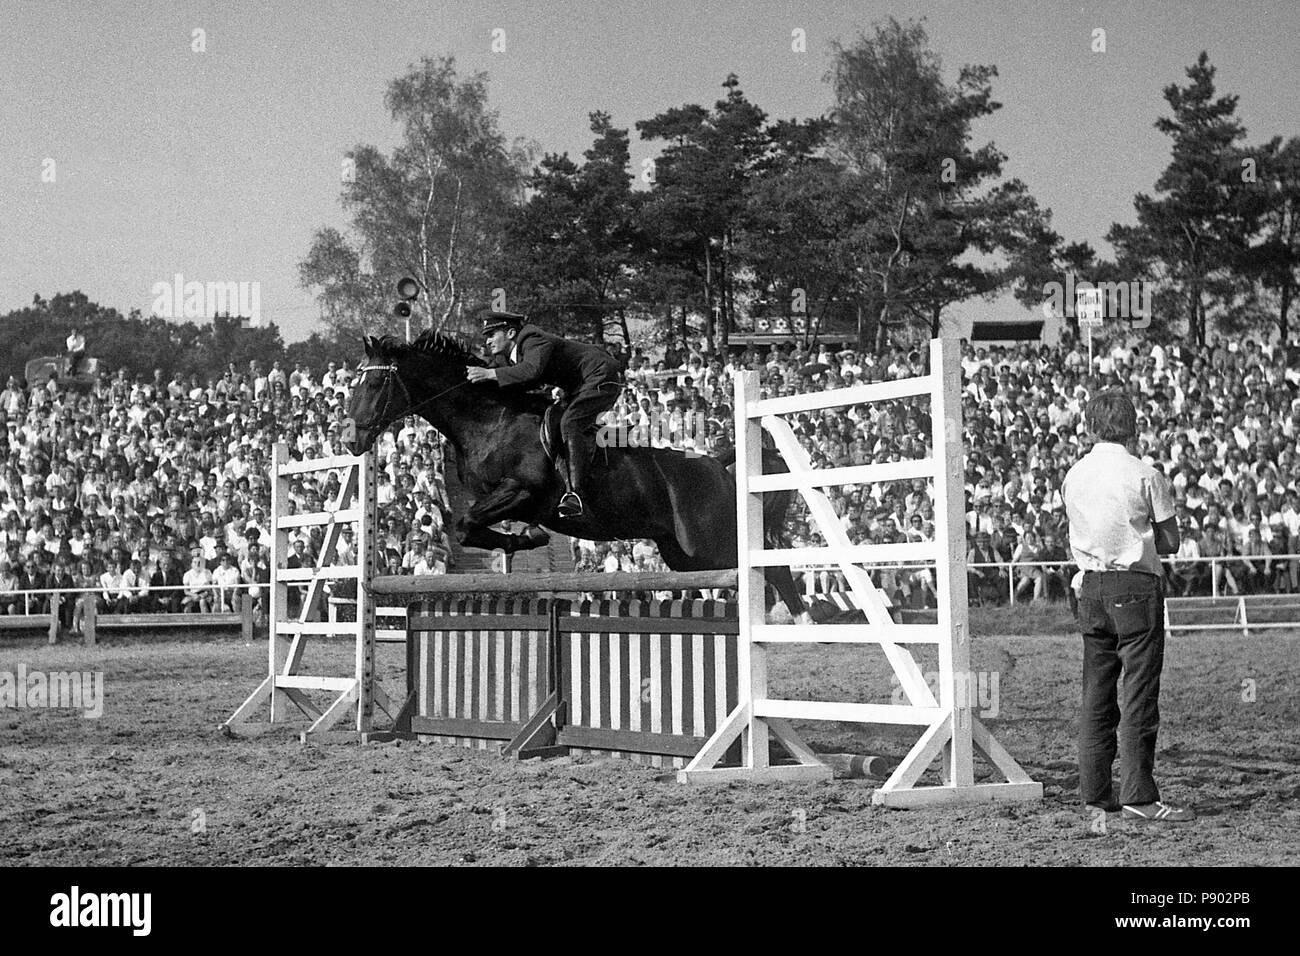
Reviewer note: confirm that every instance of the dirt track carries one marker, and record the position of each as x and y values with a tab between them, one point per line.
151	782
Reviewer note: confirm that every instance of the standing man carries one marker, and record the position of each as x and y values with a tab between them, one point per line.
76	343
1121	514
590	377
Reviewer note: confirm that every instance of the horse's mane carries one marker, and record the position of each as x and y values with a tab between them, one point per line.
435	344
430	342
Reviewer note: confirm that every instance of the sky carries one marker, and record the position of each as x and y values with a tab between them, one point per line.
127	157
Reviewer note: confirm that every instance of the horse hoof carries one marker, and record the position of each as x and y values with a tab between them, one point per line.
536	538
823	612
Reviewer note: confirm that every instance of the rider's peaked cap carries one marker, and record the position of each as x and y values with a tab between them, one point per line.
500	320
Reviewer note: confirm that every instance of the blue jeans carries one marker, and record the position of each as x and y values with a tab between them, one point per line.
1121	615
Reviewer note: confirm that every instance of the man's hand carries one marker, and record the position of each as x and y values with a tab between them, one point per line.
476	374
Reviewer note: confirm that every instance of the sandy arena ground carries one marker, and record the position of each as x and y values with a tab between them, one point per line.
152	782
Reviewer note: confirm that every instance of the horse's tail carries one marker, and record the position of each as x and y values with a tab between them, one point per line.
776	504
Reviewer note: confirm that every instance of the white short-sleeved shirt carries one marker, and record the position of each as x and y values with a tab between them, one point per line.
1113	500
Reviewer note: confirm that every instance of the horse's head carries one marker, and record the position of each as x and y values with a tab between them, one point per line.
398	378
379	396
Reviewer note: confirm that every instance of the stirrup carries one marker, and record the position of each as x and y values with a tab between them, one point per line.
570	505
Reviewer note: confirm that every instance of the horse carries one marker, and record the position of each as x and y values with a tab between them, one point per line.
685	503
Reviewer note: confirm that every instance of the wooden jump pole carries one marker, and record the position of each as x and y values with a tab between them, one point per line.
550	582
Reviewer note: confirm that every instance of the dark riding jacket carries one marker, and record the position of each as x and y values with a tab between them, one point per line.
544	358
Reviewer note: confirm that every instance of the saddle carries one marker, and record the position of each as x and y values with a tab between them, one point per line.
548	434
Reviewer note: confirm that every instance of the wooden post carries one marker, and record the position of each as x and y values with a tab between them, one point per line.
277	643
953	612
750	587
246	616
366	533
88	621
55	600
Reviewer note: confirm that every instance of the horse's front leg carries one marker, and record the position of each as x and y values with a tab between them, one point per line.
510	500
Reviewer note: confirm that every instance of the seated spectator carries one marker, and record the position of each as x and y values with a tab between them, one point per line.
198	594
226	577
390	562
1056	580
1258	573
298	558
166	575
135	585
1030	578
987	584
63	579
114	596
1286	541
416	556
35	576
438	559
257	572
220	550
86	579
1213	544
1187	575
1283	578
11	601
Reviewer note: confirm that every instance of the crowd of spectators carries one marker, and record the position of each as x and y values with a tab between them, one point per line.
155	493
1221	422
135	487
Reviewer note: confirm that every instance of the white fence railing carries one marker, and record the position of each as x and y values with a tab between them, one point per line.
1217	566
137	592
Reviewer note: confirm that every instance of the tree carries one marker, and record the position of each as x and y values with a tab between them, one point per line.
791	239
1272	205
41	330
928	217
133	343
435	209
233	342
1191	237
569	248
317	351
698	199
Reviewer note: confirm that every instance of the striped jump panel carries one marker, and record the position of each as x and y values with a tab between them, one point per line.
481	668
648	680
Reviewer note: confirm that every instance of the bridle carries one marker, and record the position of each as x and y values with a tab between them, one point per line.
391	375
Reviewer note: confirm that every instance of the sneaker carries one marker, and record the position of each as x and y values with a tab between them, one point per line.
570	505
1159	813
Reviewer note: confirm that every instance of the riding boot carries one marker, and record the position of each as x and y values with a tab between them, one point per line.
578	452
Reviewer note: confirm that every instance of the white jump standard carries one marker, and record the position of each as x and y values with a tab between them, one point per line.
951	730
355	505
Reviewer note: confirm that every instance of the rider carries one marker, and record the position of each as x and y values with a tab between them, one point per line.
591	377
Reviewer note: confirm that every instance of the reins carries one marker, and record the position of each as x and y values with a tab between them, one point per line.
390	372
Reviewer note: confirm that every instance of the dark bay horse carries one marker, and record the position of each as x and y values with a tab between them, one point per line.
686	504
